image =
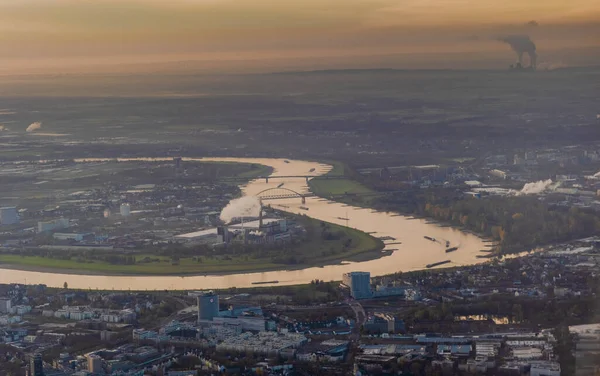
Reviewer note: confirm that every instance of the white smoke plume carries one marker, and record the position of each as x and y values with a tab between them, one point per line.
535	187
247	206
521	44
33	127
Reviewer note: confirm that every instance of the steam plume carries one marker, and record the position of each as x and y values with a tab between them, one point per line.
247	206
535	187
552	66
522	44
33	127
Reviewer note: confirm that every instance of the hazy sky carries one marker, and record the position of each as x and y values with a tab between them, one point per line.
67	32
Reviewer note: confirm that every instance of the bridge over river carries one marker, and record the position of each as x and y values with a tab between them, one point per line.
287	177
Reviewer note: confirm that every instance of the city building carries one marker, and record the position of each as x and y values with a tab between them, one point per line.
331	350
383	323
544	368
246	323
587	348
20	309
125	210
177	161
55	224
267	343
126	316
36	365
384	290
5	305
359	284
208	306
94	364
182	373
69	236
8	215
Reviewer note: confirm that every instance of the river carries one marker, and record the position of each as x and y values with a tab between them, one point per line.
413	253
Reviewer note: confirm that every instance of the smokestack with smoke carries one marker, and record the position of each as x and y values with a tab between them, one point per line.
33	127
522	44
248	206
535	187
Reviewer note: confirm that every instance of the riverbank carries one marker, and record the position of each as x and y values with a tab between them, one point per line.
352	192
343	245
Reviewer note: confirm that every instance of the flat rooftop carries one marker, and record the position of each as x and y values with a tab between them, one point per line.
254	225
198	234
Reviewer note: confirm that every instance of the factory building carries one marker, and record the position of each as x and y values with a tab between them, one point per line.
208	306
56	224
223	234
9	215
209	236
262	231
359	284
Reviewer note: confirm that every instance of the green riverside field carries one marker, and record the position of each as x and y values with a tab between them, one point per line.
328	187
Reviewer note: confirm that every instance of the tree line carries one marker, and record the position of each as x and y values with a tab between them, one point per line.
517	223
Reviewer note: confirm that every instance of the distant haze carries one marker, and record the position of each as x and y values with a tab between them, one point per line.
38	35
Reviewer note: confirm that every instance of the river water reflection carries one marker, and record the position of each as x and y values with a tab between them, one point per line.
413	253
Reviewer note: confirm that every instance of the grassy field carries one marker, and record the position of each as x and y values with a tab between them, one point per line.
257	170
349	244
163	267
336	187
328	187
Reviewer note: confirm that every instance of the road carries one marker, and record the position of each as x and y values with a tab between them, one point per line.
186	313
361	317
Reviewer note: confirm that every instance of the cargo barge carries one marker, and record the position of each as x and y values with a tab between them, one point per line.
437	264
